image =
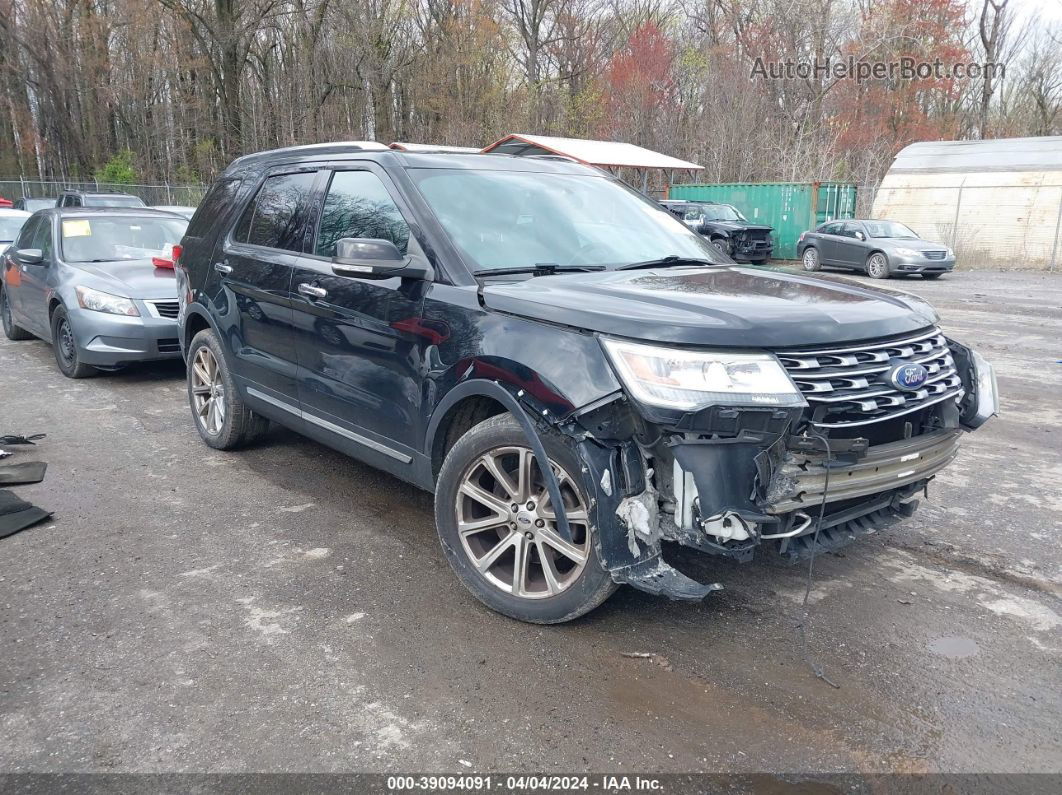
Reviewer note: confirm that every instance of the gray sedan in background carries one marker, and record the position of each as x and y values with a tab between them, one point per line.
97	283
879	248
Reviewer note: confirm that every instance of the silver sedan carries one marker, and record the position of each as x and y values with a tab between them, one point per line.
879	248
97	283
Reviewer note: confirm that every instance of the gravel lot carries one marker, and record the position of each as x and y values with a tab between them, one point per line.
288	609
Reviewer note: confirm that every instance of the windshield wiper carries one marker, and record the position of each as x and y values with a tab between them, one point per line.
666	262
541	269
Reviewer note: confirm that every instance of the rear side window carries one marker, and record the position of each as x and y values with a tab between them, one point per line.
214	207
358	205
273	218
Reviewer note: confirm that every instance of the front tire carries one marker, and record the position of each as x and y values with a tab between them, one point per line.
877	266
810	260
721	245
498	529
223	420
64	346
11	331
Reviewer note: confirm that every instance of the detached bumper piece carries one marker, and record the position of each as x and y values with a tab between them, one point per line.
17	514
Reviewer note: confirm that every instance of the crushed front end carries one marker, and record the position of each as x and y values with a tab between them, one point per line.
856	439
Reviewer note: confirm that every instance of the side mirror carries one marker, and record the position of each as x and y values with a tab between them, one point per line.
373	258
30	256
860	236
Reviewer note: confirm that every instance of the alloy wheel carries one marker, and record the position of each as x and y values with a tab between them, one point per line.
811	259
508	528
877	267
208	391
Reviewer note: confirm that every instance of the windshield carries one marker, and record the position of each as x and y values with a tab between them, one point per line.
514	219
103	239
722	212
9	226
888	229
113	201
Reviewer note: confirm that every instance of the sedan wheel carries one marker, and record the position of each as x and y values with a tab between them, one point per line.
508	526
208	391
811	259
878	266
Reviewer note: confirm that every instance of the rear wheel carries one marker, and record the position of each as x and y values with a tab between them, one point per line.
11	331
810	260
877	266
64	346
497	526
223	420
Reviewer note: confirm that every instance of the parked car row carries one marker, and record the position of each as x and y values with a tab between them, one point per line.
881	249
576	373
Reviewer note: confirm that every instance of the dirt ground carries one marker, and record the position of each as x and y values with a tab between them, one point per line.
288	609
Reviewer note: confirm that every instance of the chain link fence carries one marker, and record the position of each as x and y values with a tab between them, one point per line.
159	194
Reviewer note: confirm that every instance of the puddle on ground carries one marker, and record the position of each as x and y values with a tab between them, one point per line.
955	648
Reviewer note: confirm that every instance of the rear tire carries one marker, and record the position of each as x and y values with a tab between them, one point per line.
877	266
810	260
223	420
560	581
11	331
64	346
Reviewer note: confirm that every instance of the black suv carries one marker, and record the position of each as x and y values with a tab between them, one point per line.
725	228
81	198
457	320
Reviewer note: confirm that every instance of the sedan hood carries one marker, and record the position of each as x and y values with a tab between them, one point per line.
906	242
130	278
717	306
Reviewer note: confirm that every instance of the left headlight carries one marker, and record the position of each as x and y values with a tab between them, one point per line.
908	252
98	301
686	380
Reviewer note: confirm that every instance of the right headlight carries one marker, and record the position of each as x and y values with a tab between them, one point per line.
687	380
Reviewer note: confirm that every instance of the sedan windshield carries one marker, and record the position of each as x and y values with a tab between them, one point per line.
116	238
722	212
9	226
515	219
888	229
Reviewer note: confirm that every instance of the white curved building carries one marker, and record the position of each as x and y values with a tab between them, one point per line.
998	203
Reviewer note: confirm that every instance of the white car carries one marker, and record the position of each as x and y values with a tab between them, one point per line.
11	222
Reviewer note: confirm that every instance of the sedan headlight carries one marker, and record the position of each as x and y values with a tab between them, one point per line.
908	252
98	301
686	380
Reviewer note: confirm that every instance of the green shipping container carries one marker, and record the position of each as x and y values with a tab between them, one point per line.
789	207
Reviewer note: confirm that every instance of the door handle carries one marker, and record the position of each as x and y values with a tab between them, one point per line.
312	292
221	267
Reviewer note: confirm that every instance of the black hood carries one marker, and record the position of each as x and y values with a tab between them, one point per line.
719	306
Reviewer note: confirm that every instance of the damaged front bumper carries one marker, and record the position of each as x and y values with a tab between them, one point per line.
733	479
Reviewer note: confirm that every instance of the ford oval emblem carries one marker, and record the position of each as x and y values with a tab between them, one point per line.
907	376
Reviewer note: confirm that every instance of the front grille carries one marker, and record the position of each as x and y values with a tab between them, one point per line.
168	345
166	309
846	386
934	254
